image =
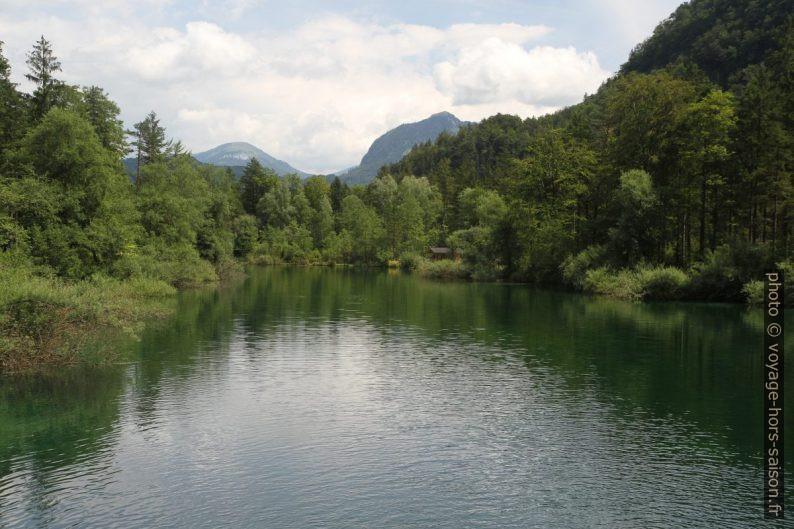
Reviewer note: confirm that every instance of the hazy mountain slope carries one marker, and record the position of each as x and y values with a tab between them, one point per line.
238	154
393	145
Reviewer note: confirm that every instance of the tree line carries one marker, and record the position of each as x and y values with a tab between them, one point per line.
677	179
669	181
68	209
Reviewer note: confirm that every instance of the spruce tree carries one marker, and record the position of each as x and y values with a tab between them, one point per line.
43	64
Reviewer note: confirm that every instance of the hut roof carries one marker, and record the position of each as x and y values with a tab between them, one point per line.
440	250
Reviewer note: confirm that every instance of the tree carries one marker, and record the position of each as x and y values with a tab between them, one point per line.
339	191
95	214
43	64
644	115
545	201
149	142
484	212
707	126
321	222
13	119
103	114
275	208
254	183
364	226
635	234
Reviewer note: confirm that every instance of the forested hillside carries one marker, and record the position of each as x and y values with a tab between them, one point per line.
720	37
669	179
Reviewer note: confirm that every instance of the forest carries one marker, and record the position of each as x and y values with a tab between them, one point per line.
672	181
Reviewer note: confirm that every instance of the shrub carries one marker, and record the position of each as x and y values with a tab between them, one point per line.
576	266
410	260
442	269
46	320
622	284
788	274
179	266
661	283
642	283
228	269
716	278
754	292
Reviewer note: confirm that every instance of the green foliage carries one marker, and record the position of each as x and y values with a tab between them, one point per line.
103	115
641	283
409	210
149	142
754	292
662	283
575	267
77	212
635	235
441	269
46	320
724	271
43	65
13	115
721	37
255	182
365	229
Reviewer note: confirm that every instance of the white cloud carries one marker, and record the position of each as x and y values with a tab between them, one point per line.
203	49
495	70
316	95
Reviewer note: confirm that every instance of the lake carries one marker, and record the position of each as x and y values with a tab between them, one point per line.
311	397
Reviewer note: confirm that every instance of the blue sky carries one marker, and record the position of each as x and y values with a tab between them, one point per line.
315	82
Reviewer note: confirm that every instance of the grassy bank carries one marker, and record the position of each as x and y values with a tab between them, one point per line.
47	321
723	275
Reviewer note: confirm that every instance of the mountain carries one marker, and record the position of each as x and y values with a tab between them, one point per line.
237	154
392	146
234	156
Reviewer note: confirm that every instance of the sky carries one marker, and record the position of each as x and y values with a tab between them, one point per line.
314	82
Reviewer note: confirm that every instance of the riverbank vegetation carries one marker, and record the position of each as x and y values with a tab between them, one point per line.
673	181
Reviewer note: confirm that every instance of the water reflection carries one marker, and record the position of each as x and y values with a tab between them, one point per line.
348	398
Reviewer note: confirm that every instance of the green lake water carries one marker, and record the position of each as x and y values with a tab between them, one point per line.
348	399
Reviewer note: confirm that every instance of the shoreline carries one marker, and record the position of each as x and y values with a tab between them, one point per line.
51	322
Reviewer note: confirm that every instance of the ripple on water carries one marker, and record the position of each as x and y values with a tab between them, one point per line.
291	421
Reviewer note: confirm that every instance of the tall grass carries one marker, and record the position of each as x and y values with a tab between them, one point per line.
441	269
48	321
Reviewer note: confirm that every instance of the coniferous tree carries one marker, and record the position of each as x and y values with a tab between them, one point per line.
149	143
43	64
103	114
12	114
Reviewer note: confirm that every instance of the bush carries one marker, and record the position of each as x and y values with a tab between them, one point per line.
754	292
46	320
228	269
622	284
442	269
642	283
661	283
179	266
576	266
410	260
788	275
716	278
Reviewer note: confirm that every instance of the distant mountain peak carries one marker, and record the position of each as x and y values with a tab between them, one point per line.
238	153
394	144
